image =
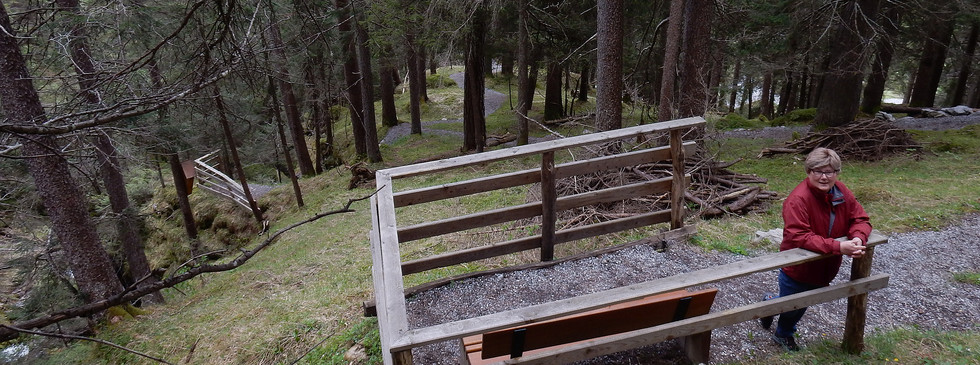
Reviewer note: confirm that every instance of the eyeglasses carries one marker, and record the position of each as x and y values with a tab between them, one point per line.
831	173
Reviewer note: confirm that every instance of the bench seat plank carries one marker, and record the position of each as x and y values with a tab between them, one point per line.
645	312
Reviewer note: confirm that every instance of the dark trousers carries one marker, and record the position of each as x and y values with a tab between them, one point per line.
786	326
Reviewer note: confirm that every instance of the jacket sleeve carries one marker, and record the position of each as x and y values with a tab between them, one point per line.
859	224
797	231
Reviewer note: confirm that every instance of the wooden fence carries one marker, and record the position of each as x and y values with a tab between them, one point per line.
215	181
388	269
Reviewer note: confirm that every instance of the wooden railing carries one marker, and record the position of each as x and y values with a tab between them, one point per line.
215	181
387	234
388	269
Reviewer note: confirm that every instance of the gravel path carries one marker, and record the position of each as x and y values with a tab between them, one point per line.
492	101
921	290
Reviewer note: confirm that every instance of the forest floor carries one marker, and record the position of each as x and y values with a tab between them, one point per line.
921	292
492	100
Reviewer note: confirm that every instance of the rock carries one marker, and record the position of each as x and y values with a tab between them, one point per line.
356	354
774	235
958	110
929	113
884	116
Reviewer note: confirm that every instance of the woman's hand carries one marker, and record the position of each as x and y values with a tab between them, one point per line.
853	247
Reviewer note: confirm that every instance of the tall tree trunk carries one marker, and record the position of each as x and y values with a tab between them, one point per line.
127	224
874	88
507	64
609	65
963	77
424	87
736	77
387	82
233	146
765	107
180	185
523	55
474	123
841	91
414	83
583	83
699	15
367	93
930	70
290	104
671	60
352	77
277	118
553	109
717	69
63	200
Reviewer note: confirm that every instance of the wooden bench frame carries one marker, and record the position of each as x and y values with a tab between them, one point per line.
500	345
398	340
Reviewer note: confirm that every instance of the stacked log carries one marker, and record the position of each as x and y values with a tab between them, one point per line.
866	140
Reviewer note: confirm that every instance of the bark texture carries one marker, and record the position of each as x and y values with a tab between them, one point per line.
841	91
609	69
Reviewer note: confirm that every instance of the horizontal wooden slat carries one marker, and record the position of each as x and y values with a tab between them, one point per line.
635	339
469	221
546	311
537	148
513	213
468	187
471	254
615	194
618	161
616	225
531	176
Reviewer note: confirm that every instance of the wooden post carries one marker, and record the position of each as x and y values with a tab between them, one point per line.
677	187
548	199
402	358
857	306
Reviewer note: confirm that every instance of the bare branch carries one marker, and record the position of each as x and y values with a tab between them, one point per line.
74	337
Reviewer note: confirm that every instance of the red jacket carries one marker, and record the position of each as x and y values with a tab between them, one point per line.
807	218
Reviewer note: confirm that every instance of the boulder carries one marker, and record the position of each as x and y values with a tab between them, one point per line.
958	110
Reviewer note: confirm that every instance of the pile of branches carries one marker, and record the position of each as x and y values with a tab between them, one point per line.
714	190
866	140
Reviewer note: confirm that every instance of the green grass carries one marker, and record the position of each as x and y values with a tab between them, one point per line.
969	277
899	346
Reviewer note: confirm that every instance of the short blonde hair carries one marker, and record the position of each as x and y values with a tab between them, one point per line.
822	157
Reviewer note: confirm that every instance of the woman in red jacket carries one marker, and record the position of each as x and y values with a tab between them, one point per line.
816	212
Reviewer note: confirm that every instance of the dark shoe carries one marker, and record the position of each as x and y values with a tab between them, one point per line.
766	321
788	343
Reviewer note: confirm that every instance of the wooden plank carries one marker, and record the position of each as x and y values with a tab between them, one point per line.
857	306
678	186
615	194
377	276
471	254
649	336
537	148
678	234
618	161
390	261
548	206
616	225
468	187
469	221
508	214
564	307
624	317
531	176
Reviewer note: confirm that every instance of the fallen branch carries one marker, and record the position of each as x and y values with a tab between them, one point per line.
8	332
74	337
